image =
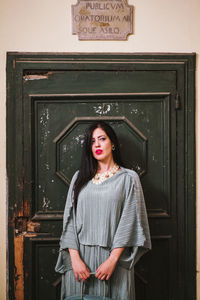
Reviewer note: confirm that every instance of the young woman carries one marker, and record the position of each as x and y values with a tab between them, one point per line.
105	226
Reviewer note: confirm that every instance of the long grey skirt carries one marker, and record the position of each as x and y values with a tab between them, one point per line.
120	286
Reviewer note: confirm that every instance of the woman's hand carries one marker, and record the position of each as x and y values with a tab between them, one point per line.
81	271
106	269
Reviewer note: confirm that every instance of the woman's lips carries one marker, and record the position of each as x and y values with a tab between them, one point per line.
98	152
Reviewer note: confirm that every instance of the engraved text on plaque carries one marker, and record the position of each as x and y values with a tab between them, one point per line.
102	19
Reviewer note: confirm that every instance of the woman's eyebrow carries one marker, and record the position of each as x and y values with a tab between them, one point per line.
98	137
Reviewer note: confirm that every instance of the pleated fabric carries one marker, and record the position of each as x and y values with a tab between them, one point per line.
109	215
119	287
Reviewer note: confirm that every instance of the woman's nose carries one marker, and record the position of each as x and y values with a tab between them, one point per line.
97	143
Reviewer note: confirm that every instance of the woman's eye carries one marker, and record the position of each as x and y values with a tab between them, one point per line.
102	139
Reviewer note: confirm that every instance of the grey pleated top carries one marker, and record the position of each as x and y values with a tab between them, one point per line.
111	215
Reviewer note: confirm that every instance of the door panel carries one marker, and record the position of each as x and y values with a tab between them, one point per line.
145	102
58	133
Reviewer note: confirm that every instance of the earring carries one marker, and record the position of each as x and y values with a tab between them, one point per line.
113	147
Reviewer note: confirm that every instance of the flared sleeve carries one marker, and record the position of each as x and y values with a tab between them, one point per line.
69	201
133	229
69	237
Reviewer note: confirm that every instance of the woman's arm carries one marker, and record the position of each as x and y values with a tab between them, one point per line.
80	269
106	269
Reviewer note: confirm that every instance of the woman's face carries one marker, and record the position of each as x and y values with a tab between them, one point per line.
101	145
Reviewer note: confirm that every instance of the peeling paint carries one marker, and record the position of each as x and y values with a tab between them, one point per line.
54	251
29	234
135	111
75	141
47	166
154	158
28	77
98	109
106	108
33	227
46	203
19	271
43	120
138	169
26	208
102	109
79	138
64	147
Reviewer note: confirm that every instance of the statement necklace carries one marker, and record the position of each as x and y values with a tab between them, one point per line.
101	177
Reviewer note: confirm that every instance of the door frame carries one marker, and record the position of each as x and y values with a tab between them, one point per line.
17	63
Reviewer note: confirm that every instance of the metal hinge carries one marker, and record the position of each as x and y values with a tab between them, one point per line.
177	101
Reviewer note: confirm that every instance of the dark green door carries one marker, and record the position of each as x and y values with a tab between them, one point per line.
149	100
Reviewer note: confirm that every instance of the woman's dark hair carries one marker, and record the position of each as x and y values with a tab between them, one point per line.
89	165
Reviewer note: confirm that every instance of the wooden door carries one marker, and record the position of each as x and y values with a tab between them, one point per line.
149	100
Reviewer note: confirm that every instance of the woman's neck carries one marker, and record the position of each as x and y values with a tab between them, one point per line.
105	166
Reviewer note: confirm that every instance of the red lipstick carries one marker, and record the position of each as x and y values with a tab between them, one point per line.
98	152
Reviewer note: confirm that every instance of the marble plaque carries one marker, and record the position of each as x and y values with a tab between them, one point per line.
102	19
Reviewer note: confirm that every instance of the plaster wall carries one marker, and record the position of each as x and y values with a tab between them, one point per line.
45	26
